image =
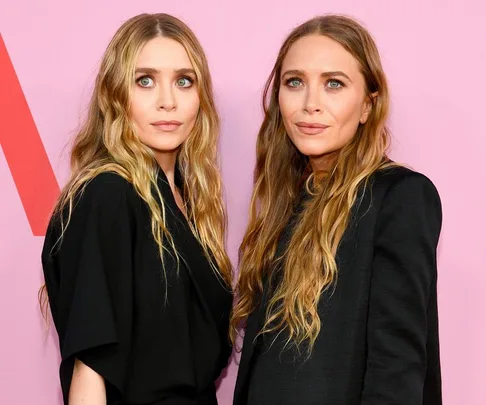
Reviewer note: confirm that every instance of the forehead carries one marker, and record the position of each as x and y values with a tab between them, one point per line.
163	53
317	54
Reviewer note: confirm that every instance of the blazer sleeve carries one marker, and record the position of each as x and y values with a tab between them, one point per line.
403	281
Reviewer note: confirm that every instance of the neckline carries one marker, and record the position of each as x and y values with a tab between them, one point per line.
167	193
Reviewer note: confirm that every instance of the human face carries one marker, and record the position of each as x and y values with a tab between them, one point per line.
164	100
322	98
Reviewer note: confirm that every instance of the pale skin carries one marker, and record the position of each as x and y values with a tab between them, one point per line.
322	98
164	90
87	386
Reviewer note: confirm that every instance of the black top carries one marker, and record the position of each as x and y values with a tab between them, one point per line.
378	343
107	296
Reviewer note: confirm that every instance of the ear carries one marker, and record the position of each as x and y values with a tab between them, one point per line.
367	107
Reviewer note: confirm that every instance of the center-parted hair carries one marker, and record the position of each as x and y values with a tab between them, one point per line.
308	265
107	141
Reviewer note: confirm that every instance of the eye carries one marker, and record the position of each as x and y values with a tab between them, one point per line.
184	82
145	81
334	84
293	82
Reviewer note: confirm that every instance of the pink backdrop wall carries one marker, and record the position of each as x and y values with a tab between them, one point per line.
435	58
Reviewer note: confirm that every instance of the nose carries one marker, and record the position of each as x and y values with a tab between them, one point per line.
166	100
313	102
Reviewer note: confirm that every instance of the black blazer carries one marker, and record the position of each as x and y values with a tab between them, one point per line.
379	342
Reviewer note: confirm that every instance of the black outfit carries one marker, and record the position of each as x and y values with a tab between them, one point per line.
107	295
378	343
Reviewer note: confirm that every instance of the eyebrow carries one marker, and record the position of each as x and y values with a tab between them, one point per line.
334	73
153	71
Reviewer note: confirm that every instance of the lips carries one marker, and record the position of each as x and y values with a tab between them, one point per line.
310	128
166	126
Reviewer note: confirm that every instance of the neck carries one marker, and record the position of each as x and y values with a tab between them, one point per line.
323	163
167	162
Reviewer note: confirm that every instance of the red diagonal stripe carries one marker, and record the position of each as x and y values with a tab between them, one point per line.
23	149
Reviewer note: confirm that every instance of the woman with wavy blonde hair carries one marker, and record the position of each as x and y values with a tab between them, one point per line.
337	284
136	273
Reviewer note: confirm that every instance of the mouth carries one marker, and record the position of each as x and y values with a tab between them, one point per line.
166	126
311	128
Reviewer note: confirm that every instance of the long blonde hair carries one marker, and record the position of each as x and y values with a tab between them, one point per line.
309	263
107	143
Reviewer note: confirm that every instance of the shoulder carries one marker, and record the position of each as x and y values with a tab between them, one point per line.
106	186
105	197
403	183
404	195
107	191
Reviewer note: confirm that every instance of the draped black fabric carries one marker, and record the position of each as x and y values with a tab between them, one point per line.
107	293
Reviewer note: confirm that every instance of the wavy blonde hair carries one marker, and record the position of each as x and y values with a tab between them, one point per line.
107	142
279	172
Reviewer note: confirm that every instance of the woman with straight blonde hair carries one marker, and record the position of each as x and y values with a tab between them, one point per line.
136	273
338	280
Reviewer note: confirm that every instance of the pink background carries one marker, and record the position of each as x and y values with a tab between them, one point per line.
435	58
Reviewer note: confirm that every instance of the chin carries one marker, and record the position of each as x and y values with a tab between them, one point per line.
165	146
312	147
164	142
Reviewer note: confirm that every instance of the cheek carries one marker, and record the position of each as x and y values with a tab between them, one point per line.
190	103
139	107
346	112
288	103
